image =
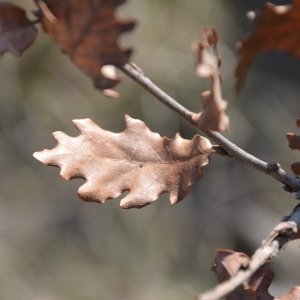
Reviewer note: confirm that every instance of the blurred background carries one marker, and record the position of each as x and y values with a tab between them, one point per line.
55	246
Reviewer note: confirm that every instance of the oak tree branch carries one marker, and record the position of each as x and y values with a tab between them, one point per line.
291	183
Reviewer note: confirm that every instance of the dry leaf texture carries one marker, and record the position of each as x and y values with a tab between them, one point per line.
294	143
135	160
208	61
228	263
276	28
88	32
17	33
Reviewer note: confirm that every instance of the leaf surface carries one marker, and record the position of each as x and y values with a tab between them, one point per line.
135	160
208	62
276	28
17	32
88	32
228	263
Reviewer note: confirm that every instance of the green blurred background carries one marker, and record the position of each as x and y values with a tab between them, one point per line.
54	246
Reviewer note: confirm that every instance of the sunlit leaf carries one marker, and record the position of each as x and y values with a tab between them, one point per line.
135	160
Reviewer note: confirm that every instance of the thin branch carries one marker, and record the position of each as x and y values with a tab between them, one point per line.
284	232
291	183
46	11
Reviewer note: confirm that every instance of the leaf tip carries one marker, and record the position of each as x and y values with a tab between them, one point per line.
84	124
130	121
129	202
110	93
59	135
36	155
41	156
173	199
109	71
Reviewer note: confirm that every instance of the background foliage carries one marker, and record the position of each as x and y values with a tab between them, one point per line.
54	246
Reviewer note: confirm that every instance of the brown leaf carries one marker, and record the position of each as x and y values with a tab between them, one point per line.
135	160
276	28
213	115
294	143
228	263
88	32
17	33
296	168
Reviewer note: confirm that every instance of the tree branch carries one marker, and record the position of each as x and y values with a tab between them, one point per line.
291	183
284	232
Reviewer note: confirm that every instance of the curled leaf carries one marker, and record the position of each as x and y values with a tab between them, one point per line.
227	265
294	143
17	32
277	28
88	32
208	62
135	160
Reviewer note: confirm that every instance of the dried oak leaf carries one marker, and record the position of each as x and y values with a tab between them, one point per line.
135	160
88	32
228	263
17	32
276	28
294	143
208	64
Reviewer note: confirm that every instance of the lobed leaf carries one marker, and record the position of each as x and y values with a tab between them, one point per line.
135	160
88	32
277	27
208	62
17	32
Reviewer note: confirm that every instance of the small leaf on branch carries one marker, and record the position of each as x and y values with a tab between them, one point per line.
276	28
208	64
294	143
17	32
294	140
227	265
135	160
88	31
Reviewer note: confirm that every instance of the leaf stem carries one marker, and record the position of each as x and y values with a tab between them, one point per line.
291	183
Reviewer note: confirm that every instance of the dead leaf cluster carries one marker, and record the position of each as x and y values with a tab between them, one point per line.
228	263
87	31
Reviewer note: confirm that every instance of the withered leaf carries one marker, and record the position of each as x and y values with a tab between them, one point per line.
208	62
228	263
17	32
294	143
88	32
276	28
135	160
296	168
